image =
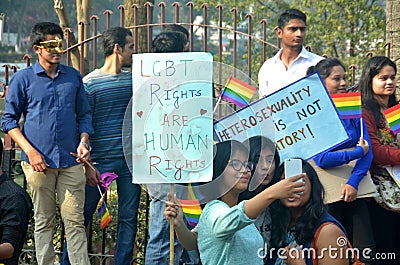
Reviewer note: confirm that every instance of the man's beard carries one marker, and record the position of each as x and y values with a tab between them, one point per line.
127	65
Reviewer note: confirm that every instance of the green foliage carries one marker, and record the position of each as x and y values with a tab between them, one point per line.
345	29
339	28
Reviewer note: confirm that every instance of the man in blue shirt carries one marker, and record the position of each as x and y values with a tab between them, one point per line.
57	122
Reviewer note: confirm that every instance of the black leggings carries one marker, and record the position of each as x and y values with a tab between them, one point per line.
355	218
386	229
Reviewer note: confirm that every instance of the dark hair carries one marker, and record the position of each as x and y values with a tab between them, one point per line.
373	66
171	41
290	14
177	28
112	36
325	66
41	29
310	217
223	152
256	144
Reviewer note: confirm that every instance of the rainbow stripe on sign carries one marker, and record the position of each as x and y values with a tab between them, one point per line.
348	105
393	118
238	92
192	210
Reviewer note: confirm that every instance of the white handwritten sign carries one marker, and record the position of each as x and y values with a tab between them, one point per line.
300	118
172	119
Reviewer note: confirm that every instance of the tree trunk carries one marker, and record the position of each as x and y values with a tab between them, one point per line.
20	26
142	43
393	30
82	16
64	24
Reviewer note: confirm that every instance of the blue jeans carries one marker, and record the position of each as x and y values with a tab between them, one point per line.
157	249
128	204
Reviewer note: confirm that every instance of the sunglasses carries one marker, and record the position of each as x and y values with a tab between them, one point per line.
239	165
52	46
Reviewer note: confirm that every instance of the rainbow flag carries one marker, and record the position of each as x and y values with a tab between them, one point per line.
238	92
348	104
104	214
393	118
191	210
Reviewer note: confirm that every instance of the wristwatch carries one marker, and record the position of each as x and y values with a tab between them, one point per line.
86	145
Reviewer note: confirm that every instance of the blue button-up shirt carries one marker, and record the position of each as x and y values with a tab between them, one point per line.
56	111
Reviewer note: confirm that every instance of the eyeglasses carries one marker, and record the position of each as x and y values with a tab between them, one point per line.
238	165
52	46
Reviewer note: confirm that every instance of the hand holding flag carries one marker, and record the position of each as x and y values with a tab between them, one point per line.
174	215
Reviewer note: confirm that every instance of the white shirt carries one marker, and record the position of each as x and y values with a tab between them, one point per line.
274	76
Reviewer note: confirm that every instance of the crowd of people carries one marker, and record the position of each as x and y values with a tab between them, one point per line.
65	113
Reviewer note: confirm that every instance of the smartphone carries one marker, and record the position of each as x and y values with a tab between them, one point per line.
293	167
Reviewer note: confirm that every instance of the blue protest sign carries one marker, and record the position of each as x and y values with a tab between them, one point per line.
301	117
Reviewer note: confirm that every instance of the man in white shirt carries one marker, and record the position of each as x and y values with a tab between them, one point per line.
292	60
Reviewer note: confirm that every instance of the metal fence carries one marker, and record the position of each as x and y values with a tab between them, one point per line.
243	44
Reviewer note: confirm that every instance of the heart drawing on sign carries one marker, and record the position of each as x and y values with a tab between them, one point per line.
139	113
203	111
